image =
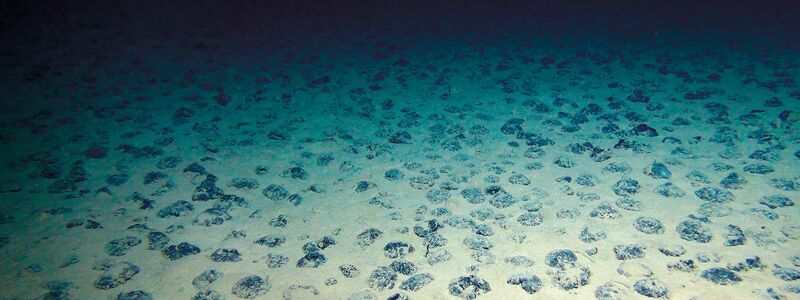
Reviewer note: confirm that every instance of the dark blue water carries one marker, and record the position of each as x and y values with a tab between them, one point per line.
404	150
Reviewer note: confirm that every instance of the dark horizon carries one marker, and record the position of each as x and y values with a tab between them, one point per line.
43	20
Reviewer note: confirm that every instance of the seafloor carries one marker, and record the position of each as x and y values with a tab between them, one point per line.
400	162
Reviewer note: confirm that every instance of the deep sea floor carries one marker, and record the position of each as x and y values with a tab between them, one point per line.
403	164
